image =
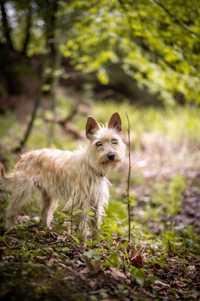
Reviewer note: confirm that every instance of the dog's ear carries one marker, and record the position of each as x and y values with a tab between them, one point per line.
91	127
115	122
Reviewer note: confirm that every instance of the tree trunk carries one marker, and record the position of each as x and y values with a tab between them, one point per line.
6	25
53	60
27	30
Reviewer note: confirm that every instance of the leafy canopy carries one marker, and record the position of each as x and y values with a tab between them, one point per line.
156	42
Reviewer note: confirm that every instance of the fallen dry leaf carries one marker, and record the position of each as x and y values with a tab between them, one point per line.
117	274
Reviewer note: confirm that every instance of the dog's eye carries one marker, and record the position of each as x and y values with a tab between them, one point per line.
98	144
114	141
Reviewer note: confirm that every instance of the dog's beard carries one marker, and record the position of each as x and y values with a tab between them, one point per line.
109	162
105	162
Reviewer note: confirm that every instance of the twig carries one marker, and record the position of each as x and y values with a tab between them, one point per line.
66	122
71	218
128	180
174	18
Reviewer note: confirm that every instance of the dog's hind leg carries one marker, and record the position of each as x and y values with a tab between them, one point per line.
21	189
18	200
49	206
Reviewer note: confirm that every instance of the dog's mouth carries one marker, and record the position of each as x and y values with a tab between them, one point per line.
110	162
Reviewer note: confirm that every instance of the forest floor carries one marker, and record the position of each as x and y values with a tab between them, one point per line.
162	262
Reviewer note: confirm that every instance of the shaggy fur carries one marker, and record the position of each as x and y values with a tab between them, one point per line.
77	177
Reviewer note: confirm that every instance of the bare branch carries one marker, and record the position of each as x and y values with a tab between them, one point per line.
174	18
66	122
71	218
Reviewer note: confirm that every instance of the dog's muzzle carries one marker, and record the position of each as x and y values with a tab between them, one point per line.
111	156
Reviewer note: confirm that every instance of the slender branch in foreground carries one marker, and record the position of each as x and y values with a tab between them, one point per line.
71	218
128	180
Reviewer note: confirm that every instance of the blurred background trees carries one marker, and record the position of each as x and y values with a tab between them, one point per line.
62	60
143	50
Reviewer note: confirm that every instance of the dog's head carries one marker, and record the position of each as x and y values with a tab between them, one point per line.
107	148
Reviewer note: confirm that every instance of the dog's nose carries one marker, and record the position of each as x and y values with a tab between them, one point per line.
111	156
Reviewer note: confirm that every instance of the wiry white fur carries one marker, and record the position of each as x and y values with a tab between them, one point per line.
77	177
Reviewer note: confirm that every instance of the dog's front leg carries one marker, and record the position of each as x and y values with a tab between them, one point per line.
97	221
83	226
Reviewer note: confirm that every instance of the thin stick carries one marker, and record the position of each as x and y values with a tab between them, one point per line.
71	218
128	179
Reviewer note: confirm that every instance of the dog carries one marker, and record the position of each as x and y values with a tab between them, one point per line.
77	177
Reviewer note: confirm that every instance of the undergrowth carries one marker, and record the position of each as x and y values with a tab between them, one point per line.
162	260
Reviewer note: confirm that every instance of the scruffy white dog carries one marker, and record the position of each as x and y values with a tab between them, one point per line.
77	177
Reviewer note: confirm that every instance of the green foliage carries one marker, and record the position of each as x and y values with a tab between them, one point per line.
138	275
161	252
180	244
170	196
177	124
116	219
159	52
175	191
6	123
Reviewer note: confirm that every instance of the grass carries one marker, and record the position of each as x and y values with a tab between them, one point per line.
176	124
162	261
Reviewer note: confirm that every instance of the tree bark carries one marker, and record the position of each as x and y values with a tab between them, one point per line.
50	37
6	25
53	60
30	125
27	30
